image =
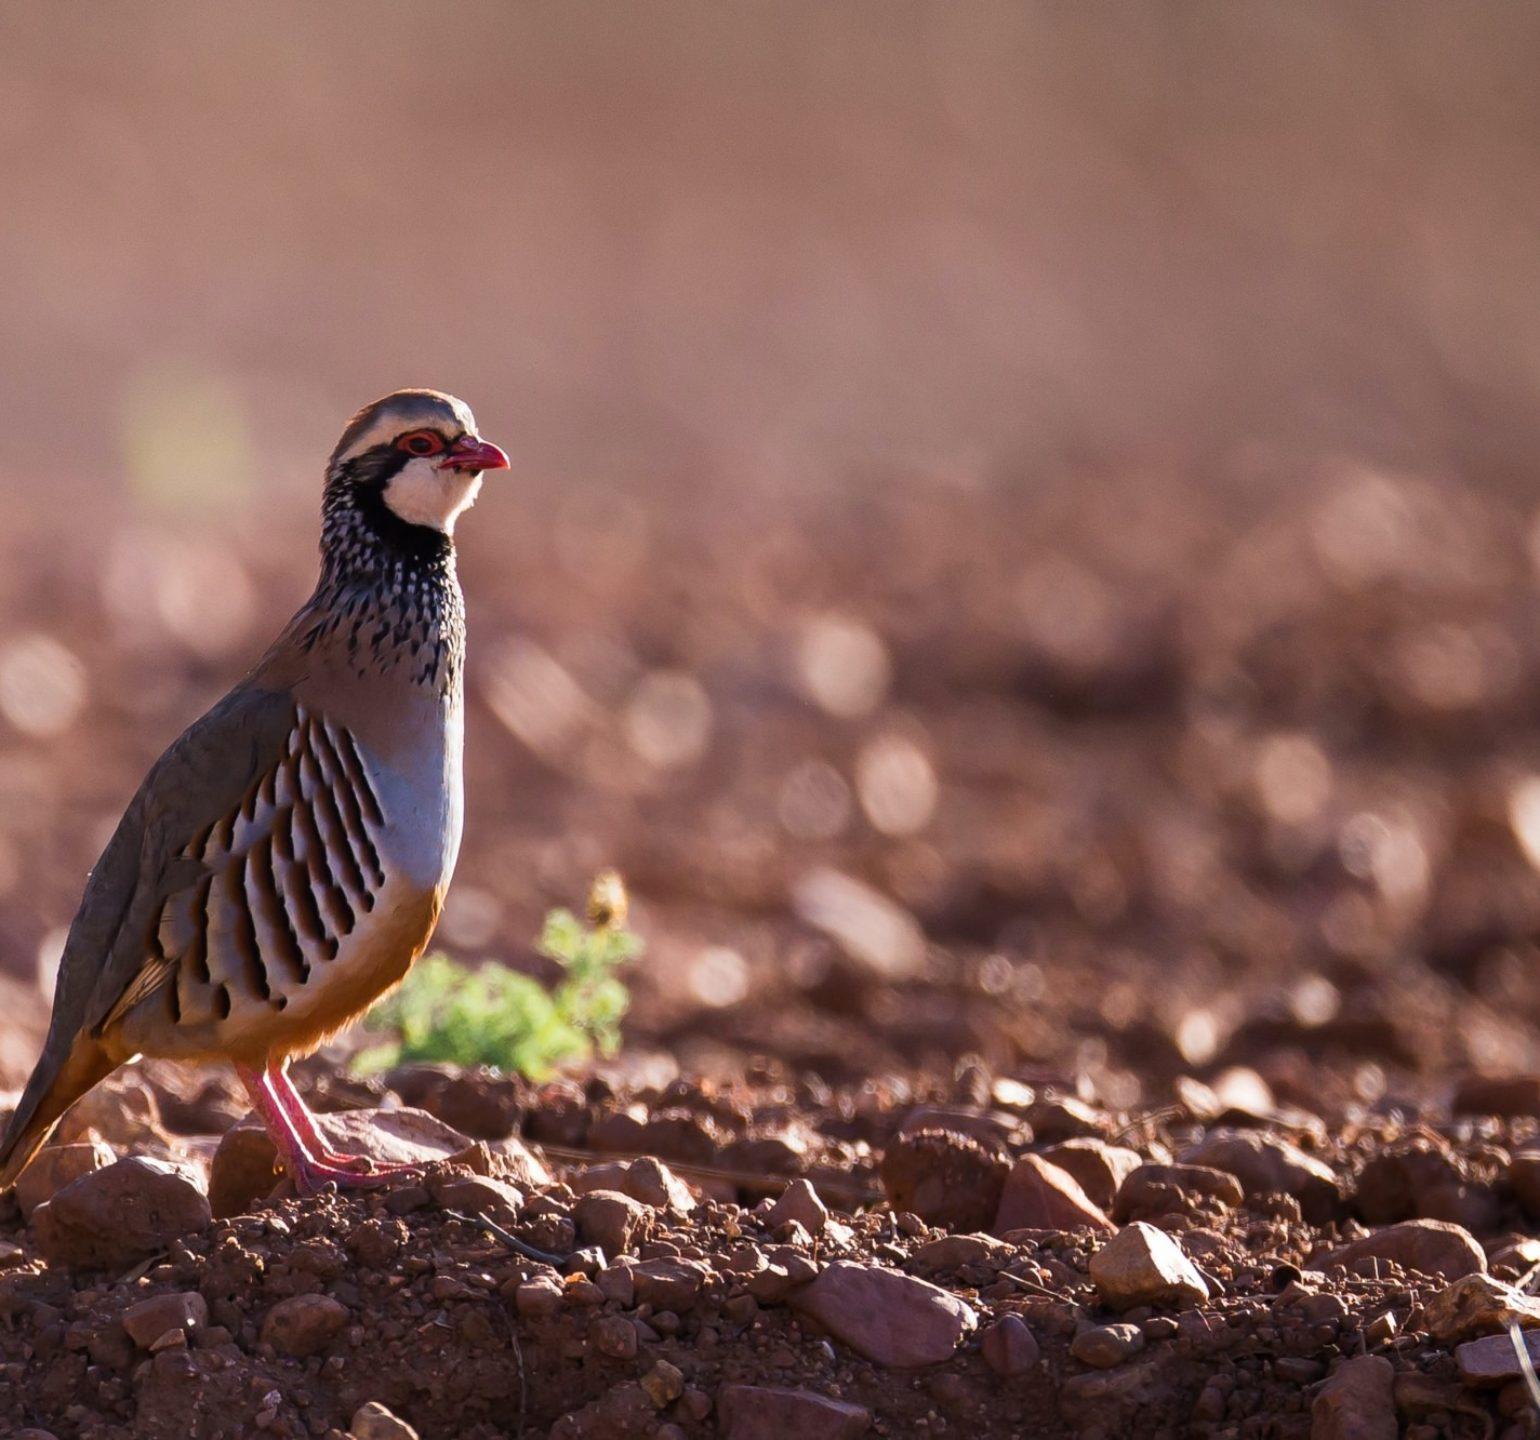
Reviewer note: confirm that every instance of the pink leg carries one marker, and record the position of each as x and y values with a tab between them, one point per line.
299	1116
308	1171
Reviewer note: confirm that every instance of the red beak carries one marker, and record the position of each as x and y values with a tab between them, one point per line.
469	453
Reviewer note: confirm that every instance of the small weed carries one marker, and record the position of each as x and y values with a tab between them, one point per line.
494	1016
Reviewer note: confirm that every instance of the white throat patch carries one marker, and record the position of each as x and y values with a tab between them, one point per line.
422	494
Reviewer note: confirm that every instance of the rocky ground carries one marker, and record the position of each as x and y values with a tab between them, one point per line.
1105	886
774	1257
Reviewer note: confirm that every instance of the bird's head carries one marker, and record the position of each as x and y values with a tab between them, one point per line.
417	454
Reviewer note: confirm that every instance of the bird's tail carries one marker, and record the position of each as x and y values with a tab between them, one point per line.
56	1084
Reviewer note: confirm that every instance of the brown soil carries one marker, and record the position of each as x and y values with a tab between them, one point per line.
436	1329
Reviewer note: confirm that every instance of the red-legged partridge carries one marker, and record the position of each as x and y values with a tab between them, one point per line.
285	861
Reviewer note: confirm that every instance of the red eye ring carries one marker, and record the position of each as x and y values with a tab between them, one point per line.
421	442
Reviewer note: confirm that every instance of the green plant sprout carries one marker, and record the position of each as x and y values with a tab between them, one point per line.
445	1011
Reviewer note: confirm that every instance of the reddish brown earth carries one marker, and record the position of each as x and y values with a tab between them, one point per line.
992	820
1213	1268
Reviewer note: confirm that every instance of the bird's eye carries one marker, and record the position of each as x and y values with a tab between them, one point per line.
421	442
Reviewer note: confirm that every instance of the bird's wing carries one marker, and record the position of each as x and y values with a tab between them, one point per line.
202	780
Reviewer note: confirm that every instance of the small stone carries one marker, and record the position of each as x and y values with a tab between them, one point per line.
1477	1305
477	1102
613	1335
1062	1117
55	1166
509	1160
374	1422
1141	1265
304	1324
1357	1402
664	1383
1431	1247
113	1217
1421	1180
610	1220
669	1284
244	1169
799	1205
949	1252
892	1319
537	1298
1097	1167
617	1285
1009	1346
945	1178
1040	1196
150	1319
645	1179
474	1195
1154	1190
762	1412
1492	1360
1104	1346
1266	1165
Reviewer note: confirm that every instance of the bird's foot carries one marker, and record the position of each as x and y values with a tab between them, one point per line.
309	1176
366	1165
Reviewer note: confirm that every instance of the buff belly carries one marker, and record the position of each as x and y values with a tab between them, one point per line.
224	1016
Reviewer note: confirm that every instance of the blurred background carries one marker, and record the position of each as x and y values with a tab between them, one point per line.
1022	540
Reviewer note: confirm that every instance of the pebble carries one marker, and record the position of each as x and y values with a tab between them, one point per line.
1154	1190
1099	1168
1421	1180
951	1252
1265	1165
892	1319
613	1335
1141	1265
56	1166
664	1383
476	1102
1040	1196
647	1180
945	1178
799	1205
612	1221
669	1284
1357	1402
1009	1346
537	1298
1492	1360
112	1217
1431	1247
1062	1117
304	1324
1103	1346
151	1319
617	1285
474	1195
1477	1305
